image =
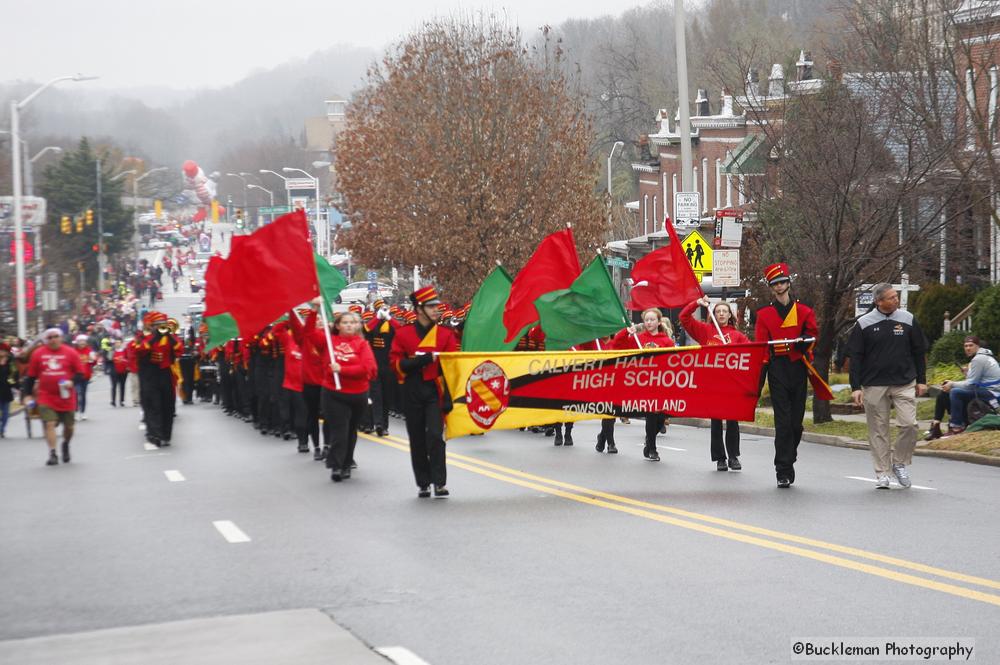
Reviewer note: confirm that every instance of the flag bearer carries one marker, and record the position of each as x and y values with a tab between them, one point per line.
425	400
787	373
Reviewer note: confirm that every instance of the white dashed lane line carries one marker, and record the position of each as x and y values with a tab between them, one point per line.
231	532
174	476
401	656
893	481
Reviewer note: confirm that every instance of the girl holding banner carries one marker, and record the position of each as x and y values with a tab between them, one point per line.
343	403
653	332
710	335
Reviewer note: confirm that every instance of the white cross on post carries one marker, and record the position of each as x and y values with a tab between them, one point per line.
904	288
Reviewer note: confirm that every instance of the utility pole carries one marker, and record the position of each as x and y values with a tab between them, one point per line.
682	96
100	232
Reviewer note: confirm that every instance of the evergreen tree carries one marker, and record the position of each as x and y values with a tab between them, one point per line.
70	188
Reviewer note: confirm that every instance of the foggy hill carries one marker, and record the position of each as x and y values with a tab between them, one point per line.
166	126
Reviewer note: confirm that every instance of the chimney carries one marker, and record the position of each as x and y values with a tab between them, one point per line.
727	103
835	70
776	81
753	84
804	67
701	103
664	119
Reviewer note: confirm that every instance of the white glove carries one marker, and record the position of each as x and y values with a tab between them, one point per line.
383	313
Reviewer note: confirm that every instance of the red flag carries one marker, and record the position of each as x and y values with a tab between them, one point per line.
215	302
269	272
554	265
664	278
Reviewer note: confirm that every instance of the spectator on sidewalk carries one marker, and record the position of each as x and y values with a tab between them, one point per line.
888	369
982	381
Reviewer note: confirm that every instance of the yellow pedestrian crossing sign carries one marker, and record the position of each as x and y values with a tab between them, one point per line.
698	253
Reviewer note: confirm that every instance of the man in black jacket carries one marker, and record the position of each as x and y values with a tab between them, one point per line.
888	369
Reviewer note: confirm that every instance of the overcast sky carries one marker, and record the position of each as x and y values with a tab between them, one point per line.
189	43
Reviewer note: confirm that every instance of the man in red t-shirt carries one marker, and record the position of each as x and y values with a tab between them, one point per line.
51	372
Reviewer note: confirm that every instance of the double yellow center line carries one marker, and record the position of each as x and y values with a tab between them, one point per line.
731	530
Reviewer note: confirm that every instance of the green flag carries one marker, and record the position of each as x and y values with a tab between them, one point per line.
484	329
221	329
588	309
331	281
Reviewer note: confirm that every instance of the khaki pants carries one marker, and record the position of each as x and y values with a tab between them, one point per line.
879	401
133	380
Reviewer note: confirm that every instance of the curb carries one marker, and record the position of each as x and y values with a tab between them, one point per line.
845	442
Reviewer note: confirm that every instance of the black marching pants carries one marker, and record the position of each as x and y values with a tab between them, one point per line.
787	381
310	394
425	428
381	394
296	413
158	410
653	423
343	412
732	443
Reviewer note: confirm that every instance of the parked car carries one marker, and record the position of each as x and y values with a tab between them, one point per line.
360	292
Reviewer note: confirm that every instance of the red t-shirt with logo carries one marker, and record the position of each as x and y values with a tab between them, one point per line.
48	368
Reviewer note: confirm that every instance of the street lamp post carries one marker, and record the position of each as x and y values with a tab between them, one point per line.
320	235
135	203
618	144
244	181
15	158
266	191
288	195
29	179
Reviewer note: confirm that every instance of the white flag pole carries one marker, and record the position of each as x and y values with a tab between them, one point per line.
329	341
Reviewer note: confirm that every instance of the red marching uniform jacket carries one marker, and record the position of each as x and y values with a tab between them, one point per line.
799	322
408	342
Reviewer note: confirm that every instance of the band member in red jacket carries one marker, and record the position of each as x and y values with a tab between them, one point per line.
707	335
118	372
425	400
652	333
344	405
157	354
786	318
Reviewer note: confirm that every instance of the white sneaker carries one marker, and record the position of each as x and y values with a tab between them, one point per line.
902	475
882	483
83	416
142	427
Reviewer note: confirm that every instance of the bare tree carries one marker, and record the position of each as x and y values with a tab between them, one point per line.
465	147
840	165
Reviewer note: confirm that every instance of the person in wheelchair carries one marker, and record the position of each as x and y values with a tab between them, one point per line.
982	382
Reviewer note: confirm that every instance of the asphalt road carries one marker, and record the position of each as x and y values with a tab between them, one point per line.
542	555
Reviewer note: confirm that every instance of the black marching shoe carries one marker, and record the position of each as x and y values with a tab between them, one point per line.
336	476
353	464
720	465
651	454
784	483
734	464
53	459
600	443
559	438
441	492
318	454
165	443
612	449
345	473
424	492
568	439
65	452
303	447
381	431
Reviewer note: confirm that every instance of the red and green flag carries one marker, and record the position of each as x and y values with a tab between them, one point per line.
590	308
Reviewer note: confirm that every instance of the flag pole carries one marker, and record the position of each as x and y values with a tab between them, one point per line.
329	341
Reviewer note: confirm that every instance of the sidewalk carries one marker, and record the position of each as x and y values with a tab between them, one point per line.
299	637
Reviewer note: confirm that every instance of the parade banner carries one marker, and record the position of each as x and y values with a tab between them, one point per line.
516	389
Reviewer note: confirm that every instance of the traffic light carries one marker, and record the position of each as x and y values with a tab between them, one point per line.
239	218
79	225
90	217
65	224
96	248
